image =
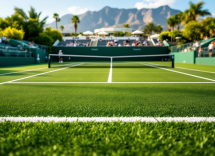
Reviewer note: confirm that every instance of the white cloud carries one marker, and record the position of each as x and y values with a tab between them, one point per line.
75	10
213	14
153	3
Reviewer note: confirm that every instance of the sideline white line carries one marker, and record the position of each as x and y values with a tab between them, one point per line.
108	119
196	70
113	82
39	74
152	65
110	73
23	71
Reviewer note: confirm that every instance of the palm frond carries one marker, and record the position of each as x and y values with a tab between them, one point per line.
21	12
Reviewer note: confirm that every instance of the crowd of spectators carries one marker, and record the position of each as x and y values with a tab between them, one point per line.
126	43
3	39
211	47
32	45
192	47
75	44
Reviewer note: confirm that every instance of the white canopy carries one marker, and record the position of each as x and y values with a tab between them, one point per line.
155	36
88	33
137	32
103	33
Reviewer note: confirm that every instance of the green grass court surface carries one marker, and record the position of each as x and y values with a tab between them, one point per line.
96	90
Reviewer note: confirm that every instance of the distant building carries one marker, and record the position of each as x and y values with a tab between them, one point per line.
110	31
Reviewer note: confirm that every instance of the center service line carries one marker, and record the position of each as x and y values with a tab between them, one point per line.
110	73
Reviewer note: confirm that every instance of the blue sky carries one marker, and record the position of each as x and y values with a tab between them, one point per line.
62	7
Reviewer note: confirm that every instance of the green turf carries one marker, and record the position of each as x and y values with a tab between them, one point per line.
107	100
21	68
104	139
96	100
196	66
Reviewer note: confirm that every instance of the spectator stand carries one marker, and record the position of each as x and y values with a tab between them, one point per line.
7	50
80	42
181	48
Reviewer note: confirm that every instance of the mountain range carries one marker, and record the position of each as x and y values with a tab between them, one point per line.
114	17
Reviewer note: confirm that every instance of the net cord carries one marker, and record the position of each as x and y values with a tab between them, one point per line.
112	56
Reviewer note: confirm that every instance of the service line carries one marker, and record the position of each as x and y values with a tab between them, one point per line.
23	71
153	65
39	74
113	82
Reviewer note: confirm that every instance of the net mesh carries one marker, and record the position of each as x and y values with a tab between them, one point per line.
84	61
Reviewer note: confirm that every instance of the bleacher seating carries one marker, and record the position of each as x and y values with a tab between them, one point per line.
80	42
103	43
7	50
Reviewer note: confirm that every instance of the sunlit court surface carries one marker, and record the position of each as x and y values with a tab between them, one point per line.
123	89
100	78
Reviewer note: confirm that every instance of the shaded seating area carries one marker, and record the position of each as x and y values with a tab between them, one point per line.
79	42
7	50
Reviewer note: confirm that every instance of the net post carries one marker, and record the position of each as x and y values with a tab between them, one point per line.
49	61
173	61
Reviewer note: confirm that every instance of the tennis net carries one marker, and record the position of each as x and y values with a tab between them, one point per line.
89	61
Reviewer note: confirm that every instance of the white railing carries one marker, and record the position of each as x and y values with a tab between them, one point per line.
152	41
56	43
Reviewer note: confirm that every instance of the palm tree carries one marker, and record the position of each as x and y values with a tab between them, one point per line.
31	14
149	28
62	28
194	11
75	19
171	22
57	19
177	18
211	27
126	26
158	29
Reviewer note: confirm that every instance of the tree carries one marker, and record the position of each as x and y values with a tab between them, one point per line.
12	33
62	28
149	28
75	19
164	36
119	34
126	26
193	31
30	23
171	22
53	33
211	28
31	14
57	19
158	29
194	11
177	18
43	39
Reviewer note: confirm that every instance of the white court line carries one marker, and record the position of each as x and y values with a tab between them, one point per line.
108	119
32	70
23	71
196	70
39	74
114	82
110	73
189	69
152	65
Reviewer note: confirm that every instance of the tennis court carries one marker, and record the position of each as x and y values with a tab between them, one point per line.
107	70
101	89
